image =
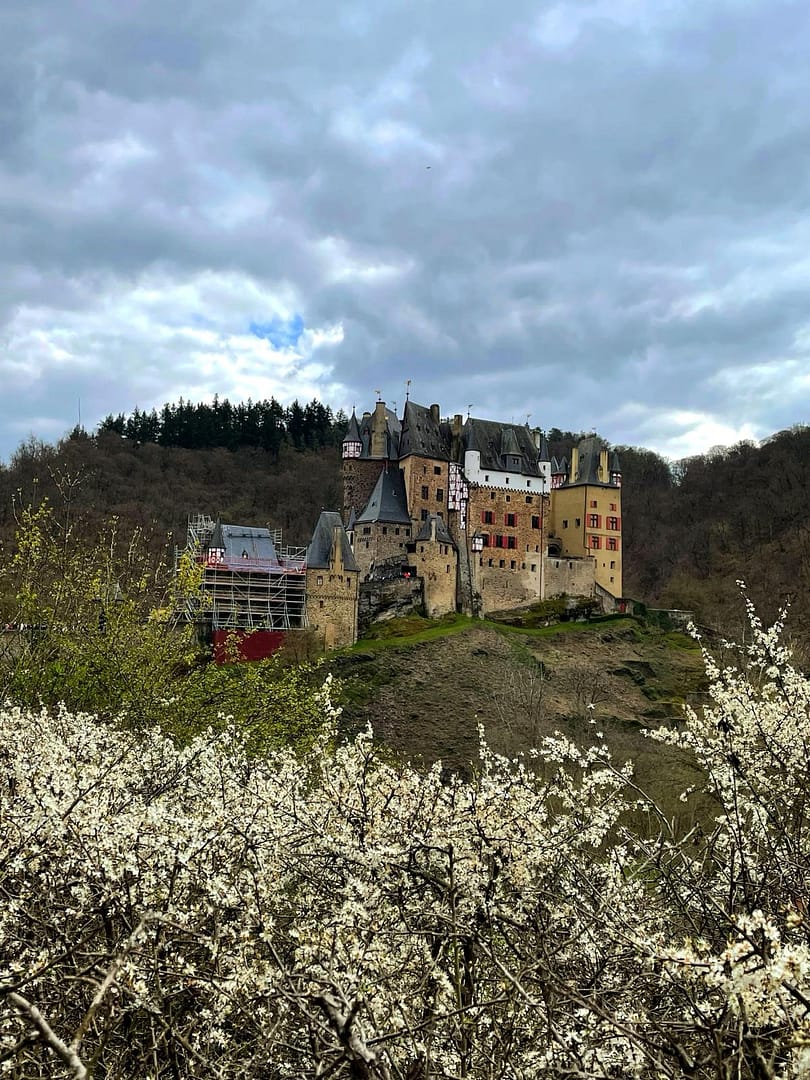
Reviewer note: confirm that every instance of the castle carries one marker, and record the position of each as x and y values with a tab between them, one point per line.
446	514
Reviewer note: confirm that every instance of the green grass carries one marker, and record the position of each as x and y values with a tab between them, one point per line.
413	629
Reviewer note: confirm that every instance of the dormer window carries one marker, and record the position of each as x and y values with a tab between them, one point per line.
512	462
351	449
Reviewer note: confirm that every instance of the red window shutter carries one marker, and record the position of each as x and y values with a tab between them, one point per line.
619	524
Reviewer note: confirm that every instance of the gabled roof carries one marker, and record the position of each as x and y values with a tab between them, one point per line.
493	440
442	535
320	553
244	542
388	502
422	433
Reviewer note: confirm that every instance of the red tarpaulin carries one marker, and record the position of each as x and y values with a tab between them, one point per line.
235	645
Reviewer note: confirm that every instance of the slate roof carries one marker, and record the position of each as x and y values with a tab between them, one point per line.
490	437
321	546
614	463
588	464
388	502
353	431
442	535
422	434
244	542
392	434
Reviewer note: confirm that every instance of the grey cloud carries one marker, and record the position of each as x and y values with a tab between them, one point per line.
546	221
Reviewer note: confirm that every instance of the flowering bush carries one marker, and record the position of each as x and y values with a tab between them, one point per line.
201	912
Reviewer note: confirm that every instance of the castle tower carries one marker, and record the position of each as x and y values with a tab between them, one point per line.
586	511
332	583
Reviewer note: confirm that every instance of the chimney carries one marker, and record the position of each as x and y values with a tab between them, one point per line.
604	474
379	426
435	413
337	549
572	473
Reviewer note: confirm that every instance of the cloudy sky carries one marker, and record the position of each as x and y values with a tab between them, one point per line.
591	212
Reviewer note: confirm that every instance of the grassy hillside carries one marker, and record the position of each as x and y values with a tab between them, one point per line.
424	688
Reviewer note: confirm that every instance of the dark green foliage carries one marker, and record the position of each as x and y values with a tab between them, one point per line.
265	425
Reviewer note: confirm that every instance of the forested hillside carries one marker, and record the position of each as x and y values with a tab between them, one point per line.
691	529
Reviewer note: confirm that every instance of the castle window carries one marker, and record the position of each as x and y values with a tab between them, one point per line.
528	484
425	491
507	479
407	532
486	539
320	603
577	523
508	498
424	514
447	571
501	563
486	478
320	579
593	504
612	543
529	500
439	494
535	521
565	523
512	565
492	494
488	517
612	506
437	470
613	523
396	532
385	530
422	549
595	542
510	519
511	541
534	567
611	579
612	564
594	521
366	530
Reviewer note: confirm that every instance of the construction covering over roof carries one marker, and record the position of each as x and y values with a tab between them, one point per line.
389	501
235	542
320	554
494	441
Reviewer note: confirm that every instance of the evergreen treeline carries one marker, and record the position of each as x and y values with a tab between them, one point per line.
266	425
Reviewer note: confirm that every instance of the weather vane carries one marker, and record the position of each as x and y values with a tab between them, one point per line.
407	389
378	393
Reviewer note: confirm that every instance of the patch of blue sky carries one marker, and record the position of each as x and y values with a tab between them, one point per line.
281	333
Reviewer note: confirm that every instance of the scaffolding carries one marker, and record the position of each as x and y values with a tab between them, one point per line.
244	593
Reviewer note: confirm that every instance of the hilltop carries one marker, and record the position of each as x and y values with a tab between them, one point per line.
424	688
